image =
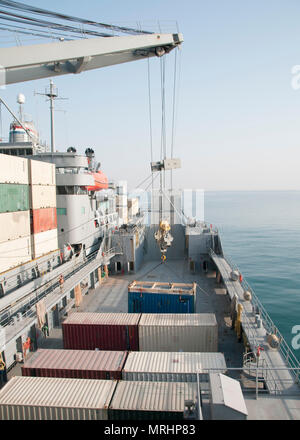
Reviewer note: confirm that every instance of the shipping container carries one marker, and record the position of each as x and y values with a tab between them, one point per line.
44	242
77	364
14	225
48	398
43	196
178	332
171	366
14	197
105	331
15	252
43	220
151	400
157	297
41	173
13	169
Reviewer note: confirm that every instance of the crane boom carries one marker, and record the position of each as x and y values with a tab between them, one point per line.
26	63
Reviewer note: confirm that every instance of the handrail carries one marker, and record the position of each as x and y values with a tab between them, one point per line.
268	324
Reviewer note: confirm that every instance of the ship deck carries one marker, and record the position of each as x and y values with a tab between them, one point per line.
111	296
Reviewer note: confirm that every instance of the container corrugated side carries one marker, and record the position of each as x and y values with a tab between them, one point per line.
14	225
41	173
14	197
171	366
43	196
80	364
196	332
41	398
151	400
147	302
44	242
43	220
106	331
13	169
15	252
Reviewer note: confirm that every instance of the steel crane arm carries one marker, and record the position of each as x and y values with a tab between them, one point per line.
26	63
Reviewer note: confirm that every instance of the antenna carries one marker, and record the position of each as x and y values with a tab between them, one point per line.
52	94
21	101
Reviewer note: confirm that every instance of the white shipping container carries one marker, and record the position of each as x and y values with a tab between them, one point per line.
152	397
43	196
133	206
15	252
14	225
48	398
172	367
41	173
44	242
178	332
13	169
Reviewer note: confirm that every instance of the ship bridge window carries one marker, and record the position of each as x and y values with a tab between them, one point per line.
70	190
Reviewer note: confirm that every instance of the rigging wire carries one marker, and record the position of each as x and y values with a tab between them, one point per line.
31	33
42	23
27	29
35	10
150	118
173	116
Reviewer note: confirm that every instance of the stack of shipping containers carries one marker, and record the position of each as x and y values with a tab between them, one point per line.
43	204
15	243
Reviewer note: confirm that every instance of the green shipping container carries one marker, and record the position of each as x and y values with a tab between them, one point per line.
14	197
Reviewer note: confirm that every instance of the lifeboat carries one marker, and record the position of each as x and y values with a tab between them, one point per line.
101	181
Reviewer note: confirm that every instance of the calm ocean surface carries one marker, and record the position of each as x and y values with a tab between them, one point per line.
260	232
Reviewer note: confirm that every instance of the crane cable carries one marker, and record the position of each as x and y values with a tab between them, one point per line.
173	117
150	121
39	11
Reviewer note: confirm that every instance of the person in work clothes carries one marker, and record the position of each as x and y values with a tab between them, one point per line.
61	282
3	375
45	330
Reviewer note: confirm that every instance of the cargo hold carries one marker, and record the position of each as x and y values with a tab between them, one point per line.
78	364
151	400
178	332
172	367
41	398
106	331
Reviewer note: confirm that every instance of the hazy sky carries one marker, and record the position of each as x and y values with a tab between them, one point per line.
238	120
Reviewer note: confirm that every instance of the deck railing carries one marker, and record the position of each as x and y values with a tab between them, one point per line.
286	352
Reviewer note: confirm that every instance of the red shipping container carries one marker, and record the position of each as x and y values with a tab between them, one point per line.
105	331
77	364
43	220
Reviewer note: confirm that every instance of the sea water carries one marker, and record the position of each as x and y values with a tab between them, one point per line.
260	232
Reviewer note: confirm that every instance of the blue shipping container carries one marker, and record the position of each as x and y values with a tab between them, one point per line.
144	302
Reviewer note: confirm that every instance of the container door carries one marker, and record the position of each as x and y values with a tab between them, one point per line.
56	317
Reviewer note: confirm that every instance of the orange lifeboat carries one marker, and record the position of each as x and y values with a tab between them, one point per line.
101	181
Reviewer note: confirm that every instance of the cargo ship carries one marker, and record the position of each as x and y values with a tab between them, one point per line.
108	315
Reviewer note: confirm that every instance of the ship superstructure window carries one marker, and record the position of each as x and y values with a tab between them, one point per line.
71	190
82	210
61	211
